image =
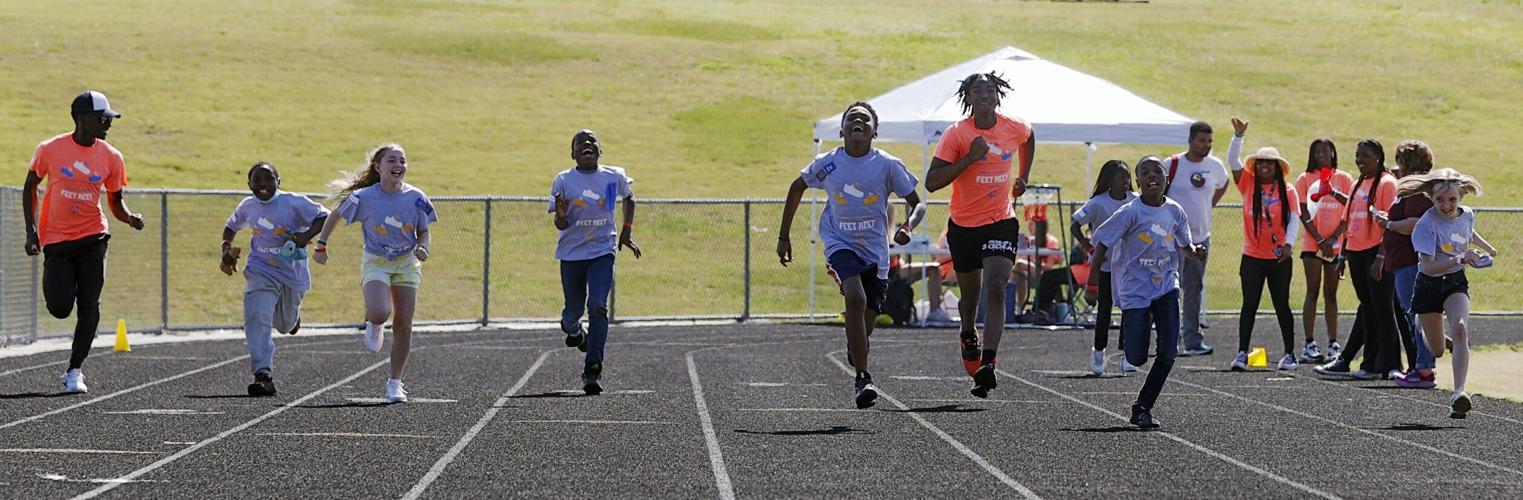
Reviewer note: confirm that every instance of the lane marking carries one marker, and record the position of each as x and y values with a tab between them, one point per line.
710	438
1360	430
1276	477
926	377
844	410
345	434
224	434
156	411
961	448
1390	393
594	422
1124	393
77	450
971	401
409	400
465	440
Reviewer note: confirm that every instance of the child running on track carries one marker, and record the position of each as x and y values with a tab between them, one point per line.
858	179
1442	239
70	230
395	218
1113	189
281	224
583	200
974	157
1325	191
1271	222
1145	238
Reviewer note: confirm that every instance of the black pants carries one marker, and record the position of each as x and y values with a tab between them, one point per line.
74	272
1254	273
1053	282
1103	314
1375	324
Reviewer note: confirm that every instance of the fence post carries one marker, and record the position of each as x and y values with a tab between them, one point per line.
486	264
745	313
35	279
164	261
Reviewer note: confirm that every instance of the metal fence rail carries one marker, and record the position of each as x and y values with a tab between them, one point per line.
493	261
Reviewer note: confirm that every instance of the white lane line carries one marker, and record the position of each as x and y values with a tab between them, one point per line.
449	456
409	400
924	377
843	410
165	411
961	448
1391	393
345	434
710	438
128	390
973	401
594	422
224	434
77	450
1276	477
1124	393
1362	430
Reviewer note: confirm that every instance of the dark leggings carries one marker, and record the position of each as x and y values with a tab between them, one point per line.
74	272
1103	315
1254	273
1375	324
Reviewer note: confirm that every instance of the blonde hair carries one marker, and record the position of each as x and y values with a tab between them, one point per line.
1431	182
364	176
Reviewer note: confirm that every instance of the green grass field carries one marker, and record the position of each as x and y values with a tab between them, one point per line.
700	99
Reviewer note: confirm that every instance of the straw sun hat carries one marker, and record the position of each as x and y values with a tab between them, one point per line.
1267	153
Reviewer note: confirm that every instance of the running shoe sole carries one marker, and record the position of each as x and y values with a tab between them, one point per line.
867	398
1460	408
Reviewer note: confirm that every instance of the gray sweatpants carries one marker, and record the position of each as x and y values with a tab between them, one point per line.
267	305
1192	284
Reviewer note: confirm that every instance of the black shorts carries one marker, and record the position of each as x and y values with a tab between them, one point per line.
846	263
971	245
1430	292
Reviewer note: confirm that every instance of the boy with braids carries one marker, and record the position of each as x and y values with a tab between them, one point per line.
858	179
974	157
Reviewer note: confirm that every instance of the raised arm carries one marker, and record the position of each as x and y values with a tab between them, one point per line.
1235	148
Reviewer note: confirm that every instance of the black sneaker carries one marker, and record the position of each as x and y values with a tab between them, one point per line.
1336	368
867	395
577	339
263	385
1143	418
591	375
984	380
971	352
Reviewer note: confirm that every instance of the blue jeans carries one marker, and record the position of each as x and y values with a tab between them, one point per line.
585	284
1406	279
1135	323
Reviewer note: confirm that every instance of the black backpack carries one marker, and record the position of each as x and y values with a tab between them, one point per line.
899	300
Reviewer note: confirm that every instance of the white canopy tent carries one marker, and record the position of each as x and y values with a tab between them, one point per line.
1063	105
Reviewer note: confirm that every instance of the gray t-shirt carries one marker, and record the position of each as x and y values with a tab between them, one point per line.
391	220
594	196
271	224
856	215
1143	241
1444	237
1097	210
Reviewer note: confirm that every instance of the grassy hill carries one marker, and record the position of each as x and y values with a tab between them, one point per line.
716	99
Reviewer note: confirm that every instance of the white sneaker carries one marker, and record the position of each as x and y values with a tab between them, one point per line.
1459	405
1097	362
74	382
1334	350
1288	363
394	391
374	336
1240	363
1126	366
1311	354
937	316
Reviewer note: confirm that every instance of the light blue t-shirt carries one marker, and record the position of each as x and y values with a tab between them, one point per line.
1441	236
271	224
856	215
391	220
1097	210
594	198
1144	243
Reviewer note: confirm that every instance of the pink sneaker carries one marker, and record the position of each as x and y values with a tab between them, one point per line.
1415	379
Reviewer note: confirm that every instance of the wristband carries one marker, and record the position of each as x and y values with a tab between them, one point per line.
905	227
320	250
782	238
227	243
629	225
322	243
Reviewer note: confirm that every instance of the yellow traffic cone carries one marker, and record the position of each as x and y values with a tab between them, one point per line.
121	336
1257	358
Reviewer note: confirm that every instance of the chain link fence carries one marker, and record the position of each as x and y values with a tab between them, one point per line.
493	261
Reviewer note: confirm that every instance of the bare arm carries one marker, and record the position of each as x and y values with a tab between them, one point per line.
785	247
1403	226
914	213
1028	154
1101	252
625	239
119	210
320	254
1486	245
1077	230
28	212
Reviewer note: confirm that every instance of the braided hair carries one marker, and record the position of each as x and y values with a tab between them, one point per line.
1000	85
1258	197
1380	171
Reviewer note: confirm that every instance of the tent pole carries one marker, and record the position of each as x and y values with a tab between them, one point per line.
1089	164
814	229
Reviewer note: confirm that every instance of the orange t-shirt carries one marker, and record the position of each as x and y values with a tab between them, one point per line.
75	174
981	194
1363	233
1259	242
1329	212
